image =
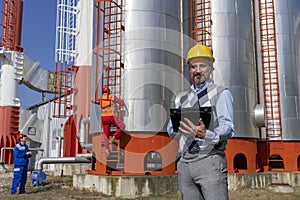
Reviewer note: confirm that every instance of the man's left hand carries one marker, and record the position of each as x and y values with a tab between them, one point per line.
187	127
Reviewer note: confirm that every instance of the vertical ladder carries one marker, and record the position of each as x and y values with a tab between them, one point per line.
112	47
63	90
270	68
65	54
201	23
109	60
270	75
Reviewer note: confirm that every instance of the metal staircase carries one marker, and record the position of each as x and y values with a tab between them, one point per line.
201	23
109	49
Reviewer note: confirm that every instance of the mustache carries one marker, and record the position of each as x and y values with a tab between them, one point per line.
199	74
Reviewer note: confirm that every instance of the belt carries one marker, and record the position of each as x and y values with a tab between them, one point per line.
195	149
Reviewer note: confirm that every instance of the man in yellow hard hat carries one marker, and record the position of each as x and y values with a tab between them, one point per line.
202	169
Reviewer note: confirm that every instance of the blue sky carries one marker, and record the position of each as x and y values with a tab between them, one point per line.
38	40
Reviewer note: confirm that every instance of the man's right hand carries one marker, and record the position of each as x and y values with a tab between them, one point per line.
29	153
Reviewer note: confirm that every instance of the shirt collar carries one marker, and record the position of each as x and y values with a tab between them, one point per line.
200	86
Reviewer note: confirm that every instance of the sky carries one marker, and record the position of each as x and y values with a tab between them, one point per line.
38	41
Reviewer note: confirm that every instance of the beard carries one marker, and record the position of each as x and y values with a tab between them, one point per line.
198	78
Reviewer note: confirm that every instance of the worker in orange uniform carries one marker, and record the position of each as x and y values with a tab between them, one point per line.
109	118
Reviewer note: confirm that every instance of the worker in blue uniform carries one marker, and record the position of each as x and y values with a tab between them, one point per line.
21	158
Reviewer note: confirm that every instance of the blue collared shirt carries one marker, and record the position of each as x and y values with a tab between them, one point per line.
224	109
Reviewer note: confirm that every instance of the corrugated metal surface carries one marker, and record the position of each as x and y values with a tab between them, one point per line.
234	52
152	62
287	18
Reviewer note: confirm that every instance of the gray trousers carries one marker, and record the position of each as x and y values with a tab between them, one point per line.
203	179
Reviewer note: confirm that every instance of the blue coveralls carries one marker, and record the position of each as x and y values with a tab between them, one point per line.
20	167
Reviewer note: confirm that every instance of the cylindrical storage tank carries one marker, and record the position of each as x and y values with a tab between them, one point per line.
152	61
10	74
287	15
151	77
233	49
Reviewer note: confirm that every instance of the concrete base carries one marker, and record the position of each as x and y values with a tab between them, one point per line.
127	186
260	180
139	186
70	169
281	188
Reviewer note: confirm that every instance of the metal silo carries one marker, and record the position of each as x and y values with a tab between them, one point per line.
287	15
152	62
233	48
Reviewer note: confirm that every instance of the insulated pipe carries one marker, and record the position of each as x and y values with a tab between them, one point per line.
82	134
39	163
85	155
12	148
259	115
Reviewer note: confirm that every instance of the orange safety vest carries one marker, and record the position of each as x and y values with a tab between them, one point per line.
107	105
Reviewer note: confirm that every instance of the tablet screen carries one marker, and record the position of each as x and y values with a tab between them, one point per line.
193	114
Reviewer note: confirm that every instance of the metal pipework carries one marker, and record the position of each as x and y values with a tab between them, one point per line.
61	160
2	149
59	138
11	148
82	134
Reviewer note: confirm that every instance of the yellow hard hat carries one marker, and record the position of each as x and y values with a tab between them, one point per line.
199	50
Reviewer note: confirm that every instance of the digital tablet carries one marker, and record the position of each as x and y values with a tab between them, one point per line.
193	114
